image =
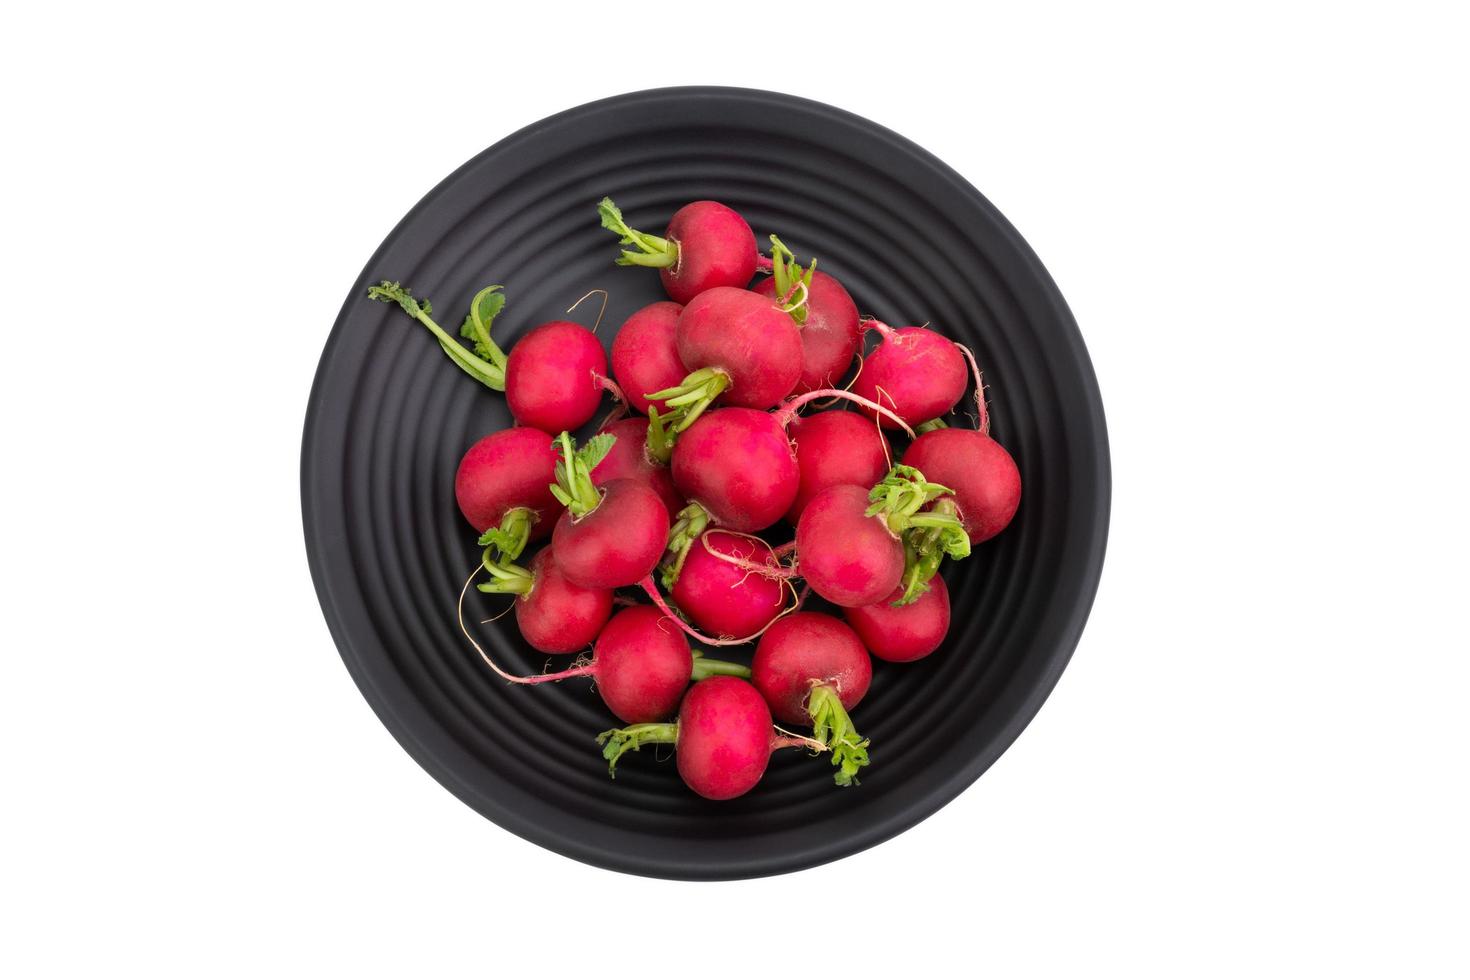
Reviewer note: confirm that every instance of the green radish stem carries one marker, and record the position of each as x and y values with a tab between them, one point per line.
689	525
650	251
705	667
791	280
928	535
832	726
574	486
930	426
616	741
689	398
487	364
509	539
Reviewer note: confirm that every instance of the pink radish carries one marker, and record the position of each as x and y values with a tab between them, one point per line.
723	738
554	615
730	584
706	245
555	377
984	477
824	312
914	371
644	356
850	543
812	670
503	488
834	448
738	464
608	537
642	665
628	459
902	633
739	347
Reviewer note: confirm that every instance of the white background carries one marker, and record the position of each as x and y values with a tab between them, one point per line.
1256	763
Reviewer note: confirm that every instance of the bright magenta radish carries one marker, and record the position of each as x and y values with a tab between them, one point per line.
902	633
984	477
824	312
914	371
835	448
644	356
739	347
608	537
554	615
628	459
730	584
642	665
723	738
847	556
553	379
706	245
504	483
738	465
854	546
812	670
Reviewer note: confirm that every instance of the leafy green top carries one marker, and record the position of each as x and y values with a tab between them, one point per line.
651	251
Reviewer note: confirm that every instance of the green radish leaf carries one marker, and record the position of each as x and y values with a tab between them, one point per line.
595	450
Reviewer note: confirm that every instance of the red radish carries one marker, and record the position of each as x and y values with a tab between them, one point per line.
812	670
644	356
835	448
828	318
738	465
642	665
554	615
608	537
845	555
723	738
901	633
706	245
504	484
629	460
553	379
984	477
914	371
850	542
738	346
721	586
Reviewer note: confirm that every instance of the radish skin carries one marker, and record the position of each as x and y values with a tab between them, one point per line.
629	460
983	476
812	669
904	633
506	470
835	448
914	371
723	738
645	357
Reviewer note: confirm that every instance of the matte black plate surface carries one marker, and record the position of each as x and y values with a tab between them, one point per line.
390	416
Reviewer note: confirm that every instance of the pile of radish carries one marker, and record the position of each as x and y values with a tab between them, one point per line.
748	498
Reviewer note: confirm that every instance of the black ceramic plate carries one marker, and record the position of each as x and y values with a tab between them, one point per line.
390	416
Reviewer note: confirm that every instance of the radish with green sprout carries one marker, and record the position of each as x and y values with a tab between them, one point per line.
503	485
723	738
553	614
824	313
853	544
729	584
705	245
609	536
812	669
553	379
